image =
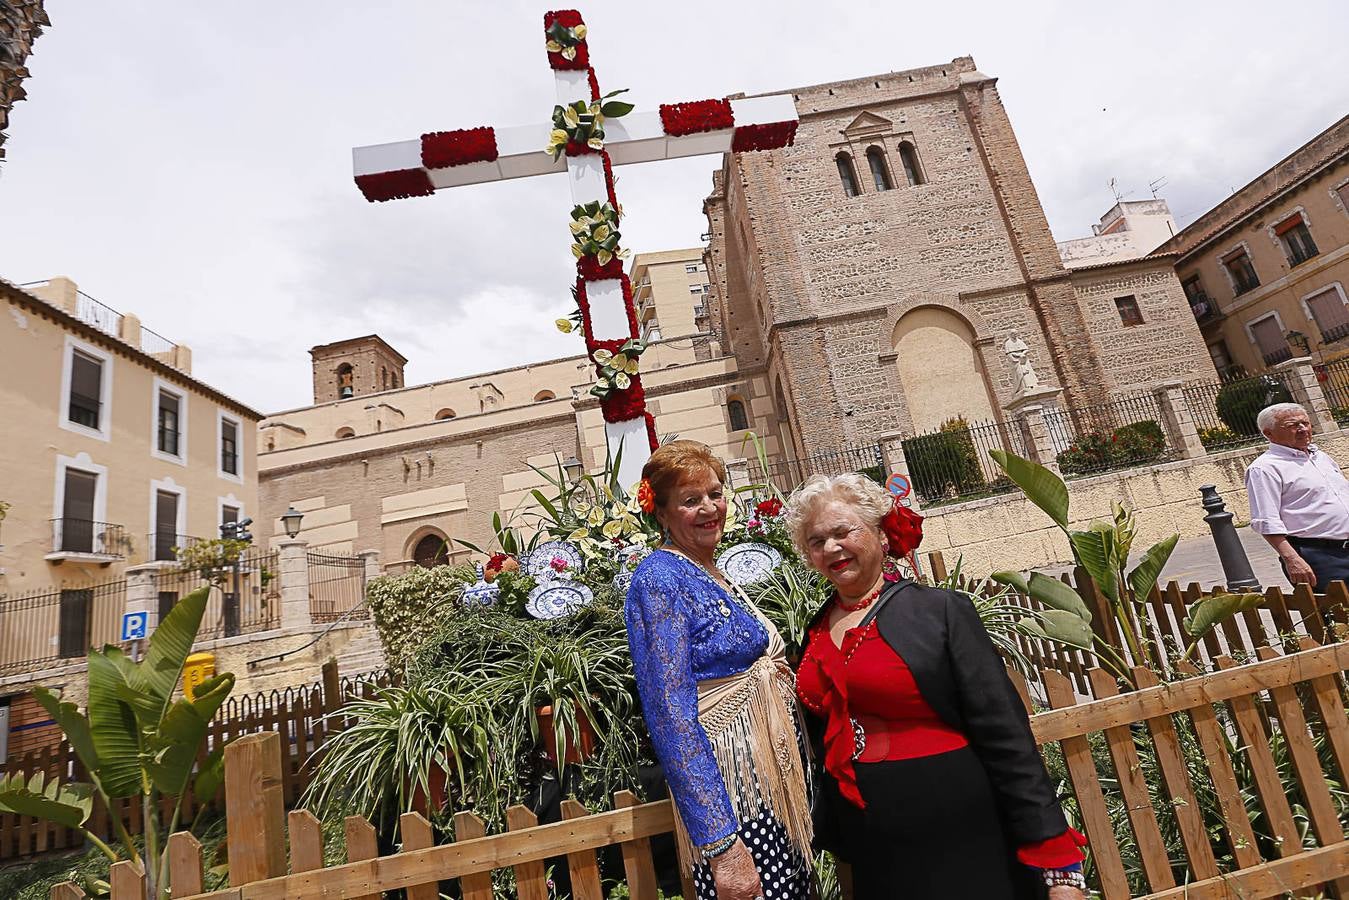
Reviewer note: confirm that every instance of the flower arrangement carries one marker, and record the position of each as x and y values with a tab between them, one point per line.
774	136
700	115
578	127
594	231
565	40
617	369
441	149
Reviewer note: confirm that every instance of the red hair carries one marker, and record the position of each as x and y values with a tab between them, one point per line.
675	461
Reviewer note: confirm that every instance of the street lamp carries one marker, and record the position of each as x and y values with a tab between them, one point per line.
573	467
291	521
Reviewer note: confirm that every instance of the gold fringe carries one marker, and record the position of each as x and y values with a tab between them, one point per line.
752	722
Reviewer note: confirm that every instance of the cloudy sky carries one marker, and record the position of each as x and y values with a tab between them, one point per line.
190	161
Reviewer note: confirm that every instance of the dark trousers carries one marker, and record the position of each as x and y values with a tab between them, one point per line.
1329	563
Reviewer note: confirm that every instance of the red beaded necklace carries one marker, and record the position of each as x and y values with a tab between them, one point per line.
861	604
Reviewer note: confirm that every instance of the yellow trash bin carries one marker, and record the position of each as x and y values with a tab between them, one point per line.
197	668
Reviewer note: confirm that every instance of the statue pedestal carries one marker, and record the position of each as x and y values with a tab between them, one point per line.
1043	396
1026	409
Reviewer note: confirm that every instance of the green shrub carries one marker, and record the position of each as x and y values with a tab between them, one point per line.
401	604
1240	402
1128	445
946	462
1217	437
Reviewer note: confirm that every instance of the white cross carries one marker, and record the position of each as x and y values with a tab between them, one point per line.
389	171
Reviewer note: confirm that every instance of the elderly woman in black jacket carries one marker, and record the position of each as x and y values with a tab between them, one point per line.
933	783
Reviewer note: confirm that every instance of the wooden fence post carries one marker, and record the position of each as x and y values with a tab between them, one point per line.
127	880
417	835
67	890
531	881
254	809
585	874
468	827
641	871
362	844
306	841
185	876
332	687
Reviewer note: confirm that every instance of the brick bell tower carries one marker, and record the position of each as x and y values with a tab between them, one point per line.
356	367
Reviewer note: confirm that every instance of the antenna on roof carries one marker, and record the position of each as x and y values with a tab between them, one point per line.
1114	189
1156	185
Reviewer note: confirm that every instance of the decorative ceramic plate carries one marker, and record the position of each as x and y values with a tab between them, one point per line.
555	599
747	563
540	561
628	560
481	592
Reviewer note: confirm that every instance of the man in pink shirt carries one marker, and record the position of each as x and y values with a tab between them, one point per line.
1299	499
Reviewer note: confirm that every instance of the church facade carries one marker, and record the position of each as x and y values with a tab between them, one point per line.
875	269
872	279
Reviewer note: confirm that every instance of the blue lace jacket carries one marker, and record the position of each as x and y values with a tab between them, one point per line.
679	635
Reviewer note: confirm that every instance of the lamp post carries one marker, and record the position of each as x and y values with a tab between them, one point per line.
573	468
291	521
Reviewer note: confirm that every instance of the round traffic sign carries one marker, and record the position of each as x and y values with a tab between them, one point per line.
899	485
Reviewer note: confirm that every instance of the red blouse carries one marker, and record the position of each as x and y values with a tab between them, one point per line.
874	712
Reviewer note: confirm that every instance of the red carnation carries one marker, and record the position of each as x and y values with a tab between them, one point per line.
903	529
768	508
380	186
699	115
442	149
763	137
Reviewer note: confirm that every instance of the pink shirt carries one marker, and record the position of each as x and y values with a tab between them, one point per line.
1297	493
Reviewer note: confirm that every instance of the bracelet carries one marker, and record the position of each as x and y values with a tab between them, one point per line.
1070	877
718	847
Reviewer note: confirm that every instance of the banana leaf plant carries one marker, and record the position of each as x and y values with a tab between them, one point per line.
1103	548
135	741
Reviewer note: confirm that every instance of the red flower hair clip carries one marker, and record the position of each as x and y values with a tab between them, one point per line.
903	529
646	497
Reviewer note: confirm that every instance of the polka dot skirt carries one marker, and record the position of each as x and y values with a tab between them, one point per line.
782	872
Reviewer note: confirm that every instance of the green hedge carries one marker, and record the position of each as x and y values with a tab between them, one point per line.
945	462
1100	451
1240	402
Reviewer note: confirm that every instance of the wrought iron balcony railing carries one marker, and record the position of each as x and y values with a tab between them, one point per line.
82	536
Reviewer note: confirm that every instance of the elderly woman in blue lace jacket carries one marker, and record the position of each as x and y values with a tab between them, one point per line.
717	695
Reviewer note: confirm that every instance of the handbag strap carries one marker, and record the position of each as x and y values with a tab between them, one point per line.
883	599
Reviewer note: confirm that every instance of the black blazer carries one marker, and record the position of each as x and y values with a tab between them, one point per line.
961	676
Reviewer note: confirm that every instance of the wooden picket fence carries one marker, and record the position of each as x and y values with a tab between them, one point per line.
299	715
1277	623
1235	715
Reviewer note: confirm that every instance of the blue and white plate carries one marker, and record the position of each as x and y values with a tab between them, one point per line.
481	592
555	599
747	563
540	561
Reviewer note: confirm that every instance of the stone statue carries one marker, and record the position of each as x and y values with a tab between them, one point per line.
1024	378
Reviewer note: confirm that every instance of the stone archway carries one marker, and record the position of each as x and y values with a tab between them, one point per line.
940	368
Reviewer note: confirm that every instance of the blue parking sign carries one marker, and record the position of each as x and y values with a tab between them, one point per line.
135	625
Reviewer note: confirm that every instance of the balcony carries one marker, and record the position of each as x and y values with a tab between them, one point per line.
1277	356
1337	333
83	541
1203	308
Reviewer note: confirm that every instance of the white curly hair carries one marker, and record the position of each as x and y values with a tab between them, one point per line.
871	500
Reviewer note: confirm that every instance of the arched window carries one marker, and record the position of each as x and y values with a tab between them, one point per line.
345	432
432	550
446	413
880	175
544	395
735	409
345	381
848	175
912	170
